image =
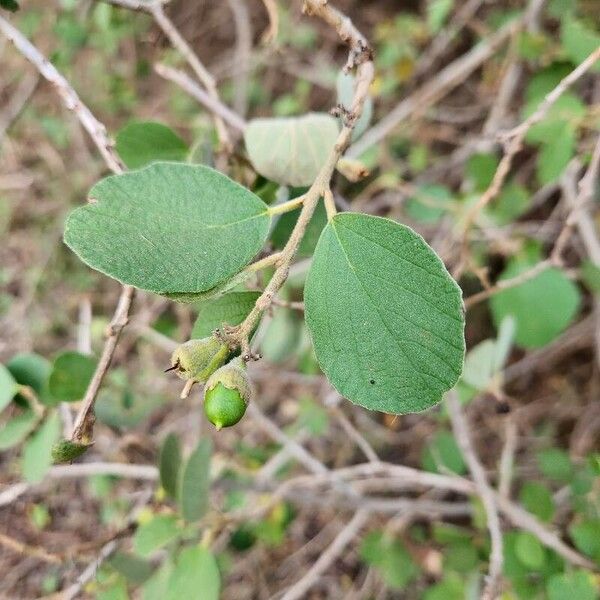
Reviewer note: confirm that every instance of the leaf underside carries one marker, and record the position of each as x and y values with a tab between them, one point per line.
170	227
385	317
292	150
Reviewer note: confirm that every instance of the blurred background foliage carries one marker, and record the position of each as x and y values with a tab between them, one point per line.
531	369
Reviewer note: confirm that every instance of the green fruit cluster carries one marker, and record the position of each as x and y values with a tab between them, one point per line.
227	389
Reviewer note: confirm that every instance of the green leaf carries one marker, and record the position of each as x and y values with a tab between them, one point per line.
429	204
451	587
386	318
71	374
543	307
579	41
143	142
345	94
390	557
437	12
537	499
291	151
196	575
11	5
156	587
556	464
31	370
231	308
170	462
156	533
590	274
586	536
195	482
480	365
443	453
529	550
282	336
8	387
556	154
568	586
17	429
37	452
169	227
480	170
136	570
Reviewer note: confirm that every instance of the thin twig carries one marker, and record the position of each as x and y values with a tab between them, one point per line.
463	438
359	58
178	42
435	89
513	141
17	102
96	130
328	557
187	84
243	49
84	422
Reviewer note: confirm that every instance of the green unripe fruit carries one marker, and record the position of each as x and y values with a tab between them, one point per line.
198	359
66	451
223	406
226	394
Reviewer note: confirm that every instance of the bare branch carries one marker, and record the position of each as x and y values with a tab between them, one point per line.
328	557
70	98
463	438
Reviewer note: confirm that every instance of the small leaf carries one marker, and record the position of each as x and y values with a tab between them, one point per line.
390	557
590	274
537	499
555	155
429	204
543	307
231	309
529	550
70	376
169	227
579	41
480	365
156	587
37	452
8	387
568	586
143	142
195	575
156	533
195	482
33	371
17	429
136	570
586	535
556	464
443	453
170	462
386	318
291	151
437	13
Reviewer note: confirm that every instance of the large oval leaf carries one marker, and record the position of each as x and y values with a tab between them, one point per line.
291	151
169	227
386	318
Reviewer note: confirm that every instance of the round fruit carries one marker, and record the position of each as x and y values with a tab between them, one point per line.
223	406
